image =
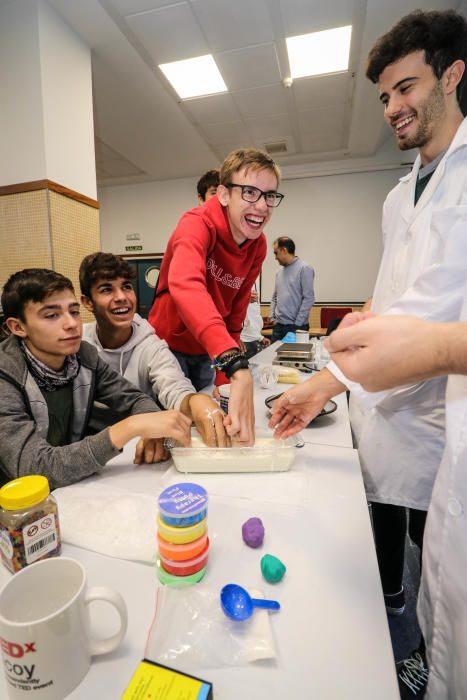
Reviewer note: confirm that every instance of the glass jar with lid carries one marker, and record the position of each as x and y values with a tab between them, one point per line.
29	527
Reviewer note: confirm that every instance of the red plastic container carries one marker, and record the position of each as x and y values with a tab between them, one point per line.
188	567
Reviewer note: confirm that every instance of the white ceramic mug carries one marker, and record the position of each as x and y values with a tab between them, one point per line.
45	629
302	336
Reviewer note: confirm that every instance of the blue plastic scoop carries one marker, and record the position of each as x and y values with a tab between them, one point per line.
237	603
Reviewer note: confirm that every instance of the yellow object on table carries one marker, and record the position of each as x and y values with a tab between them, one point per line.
152	680
288	375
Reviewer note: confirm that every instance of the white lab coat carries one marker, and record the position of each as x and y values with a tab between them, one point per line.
422	273
253	323
442	603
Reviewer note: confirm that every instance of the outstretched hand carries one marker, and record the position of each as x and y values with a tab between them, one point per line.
209	420
298	406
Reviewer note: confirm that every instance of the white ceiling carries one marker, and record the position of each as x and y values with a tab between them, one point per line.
145	132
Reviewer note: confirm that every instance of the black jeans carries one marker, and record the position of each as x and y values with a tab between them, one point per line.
390	529
197	368
281	329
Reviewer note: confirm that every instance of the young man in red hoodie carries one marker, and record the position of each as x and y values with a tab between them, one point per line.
211	262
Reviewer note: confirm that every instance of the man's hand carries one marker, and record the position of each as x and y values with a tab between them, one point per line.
298	406
150	450
265	342
353	318
383	352
240	422
209	420
159	424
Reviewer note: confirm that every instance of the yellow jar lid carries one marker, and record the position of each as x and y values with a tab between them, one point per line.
23	492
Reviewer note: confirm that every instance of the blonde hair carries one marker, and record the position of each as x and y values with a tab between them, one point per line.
247	158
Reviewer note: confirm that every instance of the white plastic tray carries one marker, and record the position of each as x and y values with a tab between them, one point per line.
267	455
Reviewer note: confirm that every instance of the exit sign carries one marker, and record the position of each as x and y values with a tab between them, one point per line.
133	247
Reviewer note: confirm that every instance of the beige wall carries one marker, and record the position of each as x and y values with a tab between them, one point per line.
46	229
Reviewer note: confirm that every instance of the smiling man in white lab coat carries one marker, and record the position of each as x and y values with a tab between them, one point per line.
419	67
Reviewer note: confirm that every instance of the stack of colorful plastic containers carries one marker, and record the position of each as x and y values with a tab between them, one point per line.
182	534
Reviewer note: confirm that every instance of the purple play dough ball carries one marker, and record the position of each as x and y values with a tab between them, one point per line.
253	532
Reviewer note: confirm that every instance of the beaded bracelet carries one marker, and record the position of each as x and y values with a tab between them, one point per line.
223	363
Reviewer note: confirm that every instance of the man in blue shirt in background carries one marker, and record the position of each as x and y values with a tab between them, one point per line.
293	294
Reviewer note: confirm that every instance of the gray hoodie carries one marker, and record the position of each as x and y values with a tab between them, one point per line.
24	418
146	361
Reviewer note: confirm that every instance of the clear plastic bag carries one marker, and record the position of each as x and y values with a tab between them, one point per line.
268	375
190	631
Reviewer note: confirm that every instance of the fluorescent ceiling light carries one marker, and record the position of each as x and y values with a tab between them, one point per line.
194	76
319	52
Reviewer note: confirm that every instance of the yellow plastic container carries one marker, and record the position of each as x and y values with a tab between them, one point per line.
29	526
181	535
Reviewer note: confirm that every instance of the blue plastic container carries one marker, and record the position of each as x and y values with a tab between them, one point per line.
183	505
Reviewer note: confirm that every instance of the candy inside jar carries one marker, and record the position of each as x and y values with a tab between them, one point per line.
29	526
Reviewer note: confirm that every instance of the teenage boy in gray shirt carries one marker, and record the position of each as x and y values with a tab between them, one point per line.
129	344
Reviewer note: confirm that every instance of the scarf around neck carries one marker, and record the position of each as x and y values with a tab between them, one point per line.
46	377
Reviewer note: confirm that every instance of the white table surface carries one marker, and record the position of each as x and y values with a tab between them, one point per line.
333	429
331	634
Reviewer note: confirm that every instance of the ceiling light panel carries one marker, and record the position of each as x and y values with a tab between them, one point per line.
194	77
320	52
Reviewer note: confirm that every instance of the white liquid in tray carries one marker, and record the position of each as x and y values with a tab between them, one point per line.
267	455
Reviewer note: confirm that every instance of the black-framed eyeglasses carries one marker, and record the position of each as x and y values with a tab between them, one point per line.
253	194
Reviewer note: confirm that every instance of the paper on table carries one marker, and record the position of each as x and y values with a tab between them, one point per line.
108	520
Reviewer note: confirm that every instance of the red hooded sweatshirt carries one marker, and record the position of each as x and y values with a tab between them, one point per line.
205	283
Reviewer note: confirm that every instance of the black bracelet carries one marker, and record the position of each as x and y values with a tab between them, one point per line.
221	364
240	362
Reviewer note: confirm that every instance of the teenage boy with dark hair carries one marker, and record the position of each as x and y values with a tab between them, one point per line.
129	345
211	262
419	66
48	382
207	185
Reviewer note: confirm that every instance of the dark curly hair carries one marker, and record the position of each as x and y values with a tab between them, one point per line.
102	266
441	35
209	179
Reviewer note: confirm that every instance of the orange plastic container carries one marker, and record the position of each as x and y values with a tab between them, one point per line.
188	567
182	552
